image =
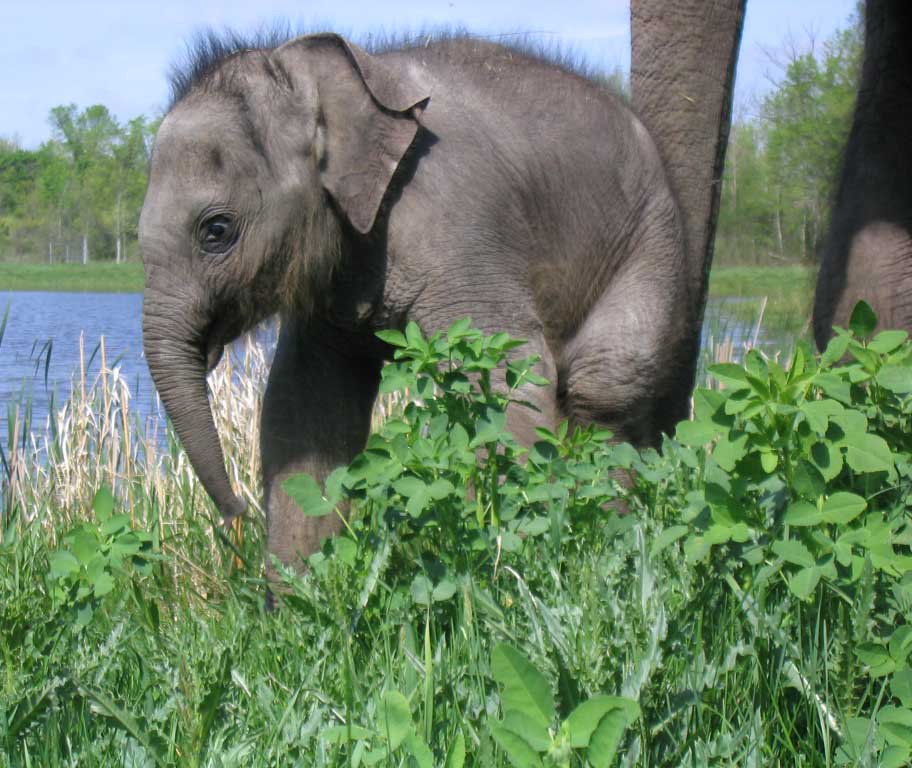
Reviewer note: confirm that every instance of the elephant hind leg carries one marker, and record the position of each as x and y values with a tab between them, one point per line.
627	366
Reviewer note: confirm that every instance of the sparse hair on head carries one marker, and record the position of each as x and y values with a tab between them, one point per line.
208	49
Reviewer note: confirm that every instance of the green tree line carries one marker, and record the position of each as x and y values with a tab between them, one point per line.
784	155
78	196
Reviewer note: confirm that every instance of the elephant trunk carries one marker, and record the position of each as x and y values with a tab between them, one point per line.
176	355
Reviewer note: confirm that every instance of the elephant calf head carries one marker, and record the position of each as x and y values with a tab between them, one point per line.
266	160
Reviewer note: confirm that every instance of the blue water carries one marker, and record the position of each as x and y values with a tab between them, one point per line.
39	351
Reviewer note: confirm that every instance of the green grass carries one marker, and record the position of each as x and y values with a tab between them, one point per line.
697	603
788	290
93	277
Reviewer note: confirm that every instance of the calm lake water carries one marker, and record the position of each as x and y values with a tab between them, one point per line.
39	351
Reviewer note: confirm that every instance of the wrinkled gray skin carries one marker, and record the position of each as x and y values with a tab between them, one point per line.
456	179
868	250
682	52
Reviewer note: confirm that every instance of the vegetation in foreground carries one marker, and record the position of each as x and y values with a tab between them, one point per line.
484	606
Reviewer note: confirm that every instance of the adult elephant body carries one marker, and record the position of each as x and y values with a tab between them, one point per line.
868	250
682	51
351	192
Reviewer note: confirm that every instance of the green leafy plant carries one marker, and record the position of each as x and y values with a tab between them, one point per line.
529	731
395	733
805	484
447	481
94	556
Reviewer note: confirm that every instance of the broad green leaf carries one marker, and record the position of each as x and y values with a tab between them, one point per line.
307	494
419	750
586	717
896	725
803	583
901	643
395	718
532	733
807	480
103	503
696	433
459	329
62	564
894	756
887	341
769	460
525	689
896	378
489	428
394	379
517	749
667	537
100	578
413	336
421	590
868	453
876	657
606	738
729	451
114	525
835	350
834	386
851	423
901	686
696	548
818	413
863	320
334	491
793	552
456	754
709	404
868	363
733	376
802	513
84	544
395	338
827	458
443	591
843	507
718	534
440	489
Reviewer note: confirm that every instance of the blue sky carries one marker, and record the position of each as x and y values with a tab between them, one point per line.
117	52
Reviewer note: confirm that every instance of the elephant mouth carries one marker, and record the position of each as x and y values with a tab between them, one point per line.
222	331
214	352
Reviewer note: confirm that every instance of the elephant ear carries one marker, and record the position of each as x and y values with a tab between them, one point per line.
368	111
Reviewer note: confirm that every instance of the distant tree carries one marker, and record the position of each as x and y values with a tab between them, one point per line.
80	194
783	163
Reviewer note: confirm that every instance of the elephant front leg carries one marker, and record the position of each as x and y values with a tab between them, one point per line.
316	417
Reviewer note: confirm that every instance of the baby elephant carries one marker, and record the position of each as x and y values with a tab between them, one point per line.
352	192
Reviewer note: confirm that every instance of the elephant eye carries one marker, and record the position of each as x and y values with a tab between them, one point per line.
218	233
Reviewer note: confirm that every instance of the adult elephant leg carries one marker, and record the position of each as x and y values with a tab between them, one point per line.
868	250
682	73
316	417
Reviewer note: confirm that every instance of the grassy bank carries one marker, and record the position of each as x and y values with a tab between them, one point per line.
91	278
751	608
788	293
791	283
